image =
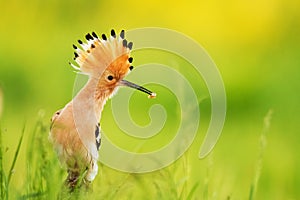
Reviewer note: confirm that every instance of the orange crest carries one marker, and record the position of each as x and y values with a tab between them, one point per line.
108	53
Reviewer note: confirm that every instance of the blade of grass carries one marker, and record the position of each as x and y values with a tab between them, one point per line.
33	162
259	164
119	187
2	174
184	188
193	190
159	192
15	158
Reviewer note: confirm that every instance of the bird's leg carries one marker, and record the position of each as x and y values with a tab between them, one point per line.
77	179
72	179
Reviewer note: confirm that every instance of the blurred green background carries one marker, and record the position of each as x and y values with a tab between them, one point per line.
255	45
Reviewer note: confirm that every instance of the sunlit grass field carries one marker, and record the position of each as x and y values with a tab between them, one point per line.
255	46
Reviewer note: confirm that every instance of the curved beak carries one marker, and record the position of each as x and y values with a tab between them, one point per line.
137	87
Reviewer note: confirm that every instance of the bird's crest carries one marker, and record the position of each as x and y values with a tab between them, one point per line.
97	54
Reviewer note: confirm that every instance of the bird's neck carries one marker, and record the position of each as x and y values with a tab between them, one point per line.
91	99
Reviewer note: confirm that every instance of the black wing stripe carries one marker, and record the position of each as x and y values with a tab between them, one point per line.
98	136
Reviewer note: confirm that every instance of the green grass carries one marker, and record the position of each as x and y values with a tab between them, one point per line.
45	177
5	178
259	164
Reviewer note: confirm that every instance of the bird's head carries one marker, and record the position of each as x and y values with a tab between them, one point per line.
108	60
114	74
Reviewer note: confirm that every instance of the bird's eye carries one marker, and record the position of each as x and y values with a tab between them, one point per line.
110	77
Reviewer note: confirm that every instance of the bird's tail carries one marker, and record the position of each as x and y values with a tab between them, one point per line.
95	54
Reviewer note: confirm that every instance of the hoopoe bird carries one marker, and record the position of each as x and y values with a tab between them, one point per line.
75	129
